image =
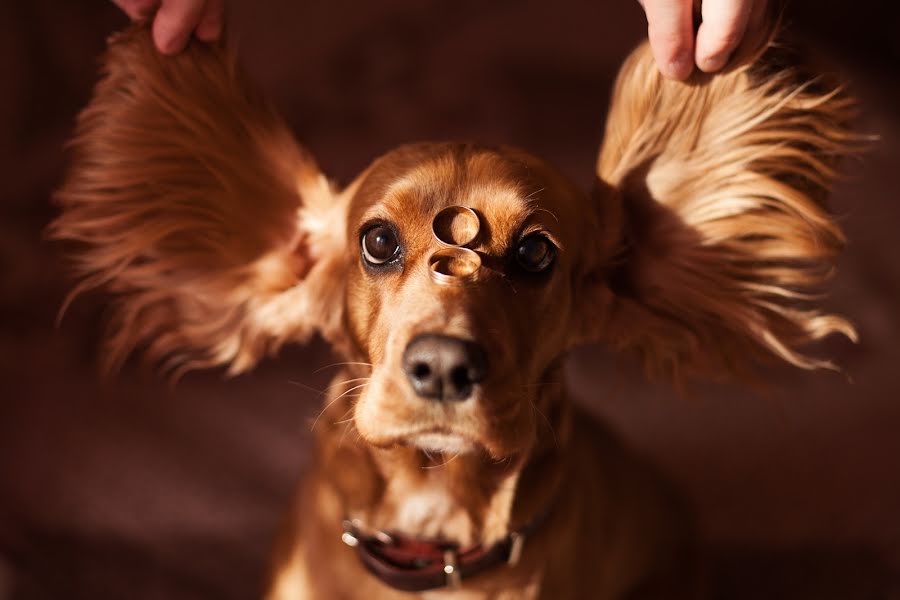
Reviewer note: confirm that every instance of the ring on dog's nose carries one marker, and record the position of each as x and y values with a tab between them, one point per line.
456	226
454	266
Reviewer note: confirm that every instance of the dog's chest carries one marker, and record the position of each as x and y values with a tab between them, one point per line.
428	512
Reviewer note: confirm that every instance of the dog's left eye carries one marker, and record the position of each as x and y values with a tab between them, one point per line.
379	245
535	253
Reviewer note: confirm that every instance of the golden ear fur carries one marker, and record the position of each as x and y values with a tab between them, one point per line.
720	181
188	198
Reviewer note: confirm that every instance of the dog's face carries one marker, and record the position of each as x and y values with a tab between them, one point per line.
457	368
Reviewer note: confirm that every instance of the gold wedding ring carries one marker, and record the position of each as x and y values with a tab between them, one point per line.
454	266
456	226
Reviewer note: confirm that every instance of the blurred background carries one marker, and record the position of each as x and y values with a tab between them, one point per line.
129	489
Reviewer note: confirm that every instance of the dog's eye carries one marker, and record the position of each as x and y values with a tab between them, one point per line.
535	253
379	245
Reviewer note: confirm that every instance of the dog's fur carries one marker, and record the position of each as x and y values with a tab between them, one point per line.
699	250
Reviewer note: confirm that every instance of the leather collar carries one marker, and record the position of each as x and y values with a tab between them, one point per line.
418	565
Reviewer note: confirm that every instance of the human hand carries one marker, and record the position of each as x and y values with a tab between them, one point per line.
723	24
176	20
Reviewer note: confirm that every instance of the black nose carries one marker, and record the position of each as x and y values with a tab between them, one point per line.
440	367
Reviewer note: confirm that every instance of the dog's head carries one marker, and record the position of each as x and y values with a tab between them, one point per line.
222	241
459	362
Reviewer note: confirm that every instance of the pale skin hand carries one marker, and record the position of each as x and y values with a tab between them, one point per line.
176	20
723	25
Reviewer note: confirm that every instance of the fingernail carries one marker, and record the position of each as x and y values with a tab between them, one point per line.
679	68
170	41
713	63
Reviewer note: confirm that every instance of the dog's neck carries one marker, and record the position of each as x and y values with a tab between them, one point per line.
468	498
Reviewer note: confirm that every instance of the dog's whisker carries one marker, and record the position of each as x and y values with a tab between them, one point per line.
352	395
508	281
345	382
546	420
443	464
534	193
549	212
347	428
322	412
343	364
331	402
316	391
325	391
354	388
344	418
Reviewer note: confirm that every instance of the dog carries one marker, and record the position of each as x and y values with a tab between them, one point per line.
452	279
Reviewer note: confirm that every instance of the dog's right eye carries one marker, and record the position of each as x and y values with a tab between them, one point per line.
379	245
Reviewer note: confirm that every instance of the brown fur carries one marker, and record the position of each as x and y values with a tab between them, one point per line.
699	250
722	178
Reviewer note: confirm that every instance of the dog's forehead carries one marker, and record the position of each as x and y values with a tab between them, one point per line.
506	188
482	182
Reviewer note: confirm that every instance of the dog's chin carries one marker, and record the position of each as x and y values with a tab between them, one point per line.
438	441
442	443
384	418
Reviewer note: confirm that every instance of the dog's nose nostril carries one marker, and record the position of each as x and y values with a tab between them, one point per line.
421	371
440	367
460	376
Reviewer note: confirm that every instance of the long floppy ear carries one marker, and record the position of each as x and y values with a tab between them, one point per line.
190	201
715	188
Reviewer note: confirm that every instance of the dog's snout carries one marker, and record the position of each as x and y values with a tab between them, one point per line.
440	367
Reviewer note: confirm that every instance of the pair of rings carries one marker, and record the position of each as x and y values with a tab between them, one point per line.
455	227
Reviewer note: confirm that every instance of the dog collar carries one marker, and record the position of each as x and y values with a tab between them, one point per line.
418	565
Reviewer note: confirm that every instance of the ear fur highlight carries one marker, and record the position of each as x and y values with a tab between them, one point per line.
720	181
188	198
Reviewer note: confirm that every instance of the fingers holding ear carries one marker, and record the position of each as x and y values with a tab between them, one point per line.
723	25
671	33
176	20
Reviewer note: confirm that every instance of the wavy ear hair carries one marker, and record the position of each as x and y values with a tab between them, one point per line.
188	198
717	184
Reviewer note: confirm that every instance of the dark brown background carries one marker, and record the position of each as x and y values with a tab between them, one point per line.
128	490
